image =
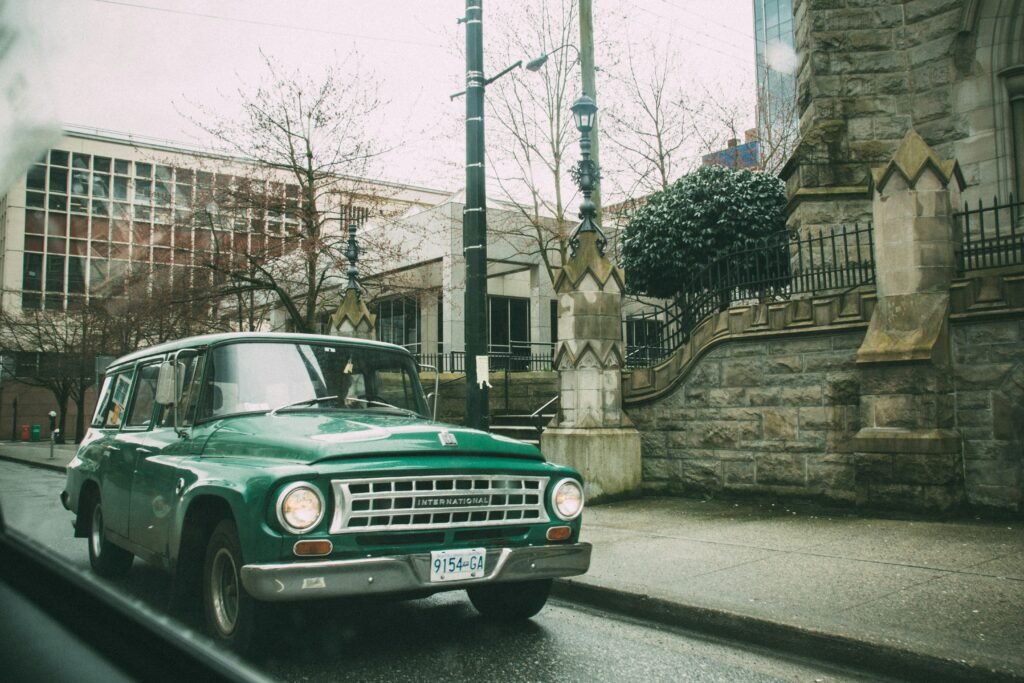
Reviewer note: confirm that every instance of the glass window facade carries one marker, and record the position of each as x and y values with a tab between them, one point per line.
93	220
773	36
398	322
509	332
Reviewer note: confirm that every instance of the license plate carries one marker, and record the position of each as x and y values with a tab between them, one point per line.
456	565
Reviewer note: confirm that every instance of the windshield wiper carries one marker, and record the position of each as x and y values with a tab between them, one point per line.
306	402
382	404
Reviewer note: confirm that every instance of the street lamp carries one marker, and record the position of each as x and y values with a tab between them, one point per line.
586	174
352	255
536	63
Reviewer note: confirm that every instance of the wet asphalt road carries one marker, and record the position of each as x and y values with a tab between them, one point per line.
440	639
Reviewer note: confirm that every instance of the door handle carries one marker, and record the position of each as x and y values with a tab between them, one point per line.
112	449
144	451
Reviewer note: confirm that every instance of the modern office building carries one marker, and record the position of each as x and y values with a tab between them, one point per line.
101	209
98	208
776	64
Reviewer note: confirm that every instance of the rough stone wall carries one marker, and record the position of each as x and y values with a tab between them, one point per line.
873	69
777	417
989	392
759	417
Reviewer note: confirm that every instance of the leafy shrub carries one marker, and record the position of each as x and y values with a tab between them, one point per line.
672	237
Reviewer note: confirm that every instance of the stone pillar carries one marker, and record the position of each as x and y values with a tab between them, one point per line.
591	432
907	453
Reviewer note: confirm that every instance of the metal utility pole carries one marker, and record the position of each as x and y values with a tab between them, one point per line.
590	89
474	227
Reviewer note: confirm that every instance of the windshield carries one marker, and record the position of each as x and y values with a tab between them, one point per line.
264	376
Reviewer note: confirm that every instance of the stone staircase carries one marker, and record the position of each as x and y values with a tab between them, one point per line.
524	427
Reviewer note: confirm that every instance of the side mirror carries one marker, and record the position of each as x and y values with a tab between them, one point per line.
168	384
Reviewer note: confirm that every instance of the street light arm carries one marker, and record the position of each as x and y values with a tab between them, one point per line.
491	79
503	72
537	62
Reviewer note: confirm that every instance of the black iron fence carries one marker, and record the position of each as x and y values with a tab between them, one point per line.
774	268
521	357
990	236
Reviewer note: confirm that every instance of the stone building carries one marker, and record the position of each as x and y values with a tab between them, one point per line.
906	390
870	70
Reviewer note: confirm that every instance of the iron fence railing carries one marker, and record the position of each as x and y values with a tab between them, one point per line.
773	268
524	357
990	236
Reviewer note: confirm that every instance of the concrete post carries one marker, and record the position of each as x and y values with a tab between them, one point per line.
591	432
907	448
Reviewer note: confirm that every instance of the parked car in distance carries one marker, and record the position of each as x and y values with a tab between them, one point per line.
260	468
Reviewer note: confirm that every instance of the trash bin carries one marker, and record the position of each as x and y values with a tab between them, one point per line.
24	432
37	432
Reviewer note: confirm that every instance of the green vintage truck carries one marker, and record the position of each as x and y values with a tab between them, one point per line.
260	468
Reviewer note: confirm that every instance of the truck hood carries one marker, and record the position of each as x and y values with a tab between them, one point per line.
321	436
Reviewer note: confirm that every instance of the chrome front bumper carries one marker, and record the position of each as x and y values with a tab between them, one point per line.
405	573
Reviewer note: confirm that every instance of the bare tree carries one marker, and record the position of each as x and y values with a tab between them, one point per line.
715	121
312	135
778	128
56	349
647	126
53	350
535	136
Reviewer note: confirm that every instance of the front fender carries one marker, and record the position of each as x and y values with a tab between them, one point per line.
246	499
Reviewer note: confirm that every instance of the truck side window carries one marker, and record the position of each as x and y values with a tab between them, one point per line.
99	415
113	411
191	374
144	396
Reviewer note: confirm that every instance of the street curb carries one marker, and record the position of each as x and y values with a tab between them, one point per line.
877	658
35	463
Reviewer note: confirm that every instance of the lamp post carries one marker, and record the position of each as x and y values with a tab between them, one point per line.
474	225
586	174
474	222
588	72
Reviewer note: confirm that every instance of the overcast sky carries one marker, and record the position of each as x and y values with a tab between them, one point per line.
135	66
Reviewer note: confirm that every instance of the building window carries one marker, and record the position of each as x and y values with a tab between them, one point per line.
509	332
151	201
398	322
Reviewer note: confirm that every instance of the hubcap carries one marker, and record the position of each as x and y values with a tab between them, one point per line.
96	530
224	591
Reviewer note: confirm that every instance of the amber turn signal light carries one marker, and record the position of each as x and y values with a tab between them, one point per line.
313	548
559	533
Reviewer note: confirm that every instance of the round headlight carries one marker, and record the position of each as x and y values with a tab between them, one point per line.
300	507
567	499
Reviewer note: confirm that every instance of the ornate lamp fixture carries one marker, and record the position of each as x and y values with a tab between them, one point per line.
586	174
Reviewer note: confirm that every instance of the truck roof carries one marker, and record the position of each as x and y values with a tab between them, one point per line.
207	340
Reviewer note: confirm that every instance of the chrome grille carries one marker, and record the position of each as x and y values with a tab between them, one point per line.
437	502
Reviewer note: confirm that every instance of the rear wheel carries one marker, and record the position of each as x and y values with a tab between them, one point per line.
105	558
232	615
510	601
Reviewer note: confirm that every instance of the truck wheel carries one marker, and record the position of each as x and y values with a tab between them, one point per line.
510	601
231	613
105	558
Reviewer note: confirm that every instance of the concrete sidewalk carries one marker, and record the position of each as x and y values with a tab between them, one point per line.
38	453
920	600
